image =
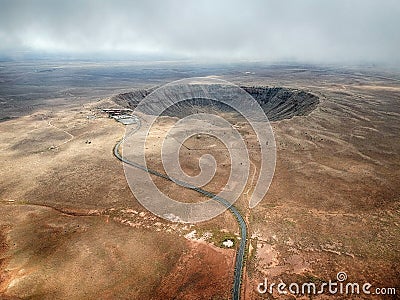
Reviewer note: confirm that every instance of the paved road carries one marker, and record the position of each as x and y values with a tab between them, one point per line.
242	224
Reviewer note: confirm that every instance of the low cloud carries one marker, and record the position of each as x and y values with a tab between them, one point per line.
307	31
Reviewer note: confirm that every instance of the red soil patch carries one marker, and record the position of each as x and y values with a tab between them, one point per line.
204	272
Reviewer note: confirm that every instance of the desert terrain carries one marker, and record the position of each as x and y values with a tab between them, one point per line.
72	229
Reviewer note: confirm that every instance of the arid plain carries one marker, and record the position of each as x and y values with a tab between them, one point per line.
71	228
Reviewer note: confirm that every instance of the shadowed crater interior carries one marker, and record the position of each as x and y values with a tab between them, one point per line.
278	103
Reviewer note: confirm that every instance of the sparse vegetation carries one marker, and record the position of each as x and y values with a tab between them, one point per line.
332	205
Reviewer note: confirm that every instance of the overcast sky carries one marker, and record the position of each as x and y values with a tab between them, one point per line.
298	30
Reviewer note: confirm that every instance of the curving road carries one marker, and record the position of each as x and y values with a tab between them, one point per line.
242	224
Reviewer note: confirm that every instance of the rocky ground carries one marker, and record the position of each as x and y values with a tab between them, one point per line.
70	227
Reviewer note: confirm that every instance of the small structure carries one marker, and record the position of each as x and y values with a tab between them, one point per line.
117	111
122	115
125	119
228	243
